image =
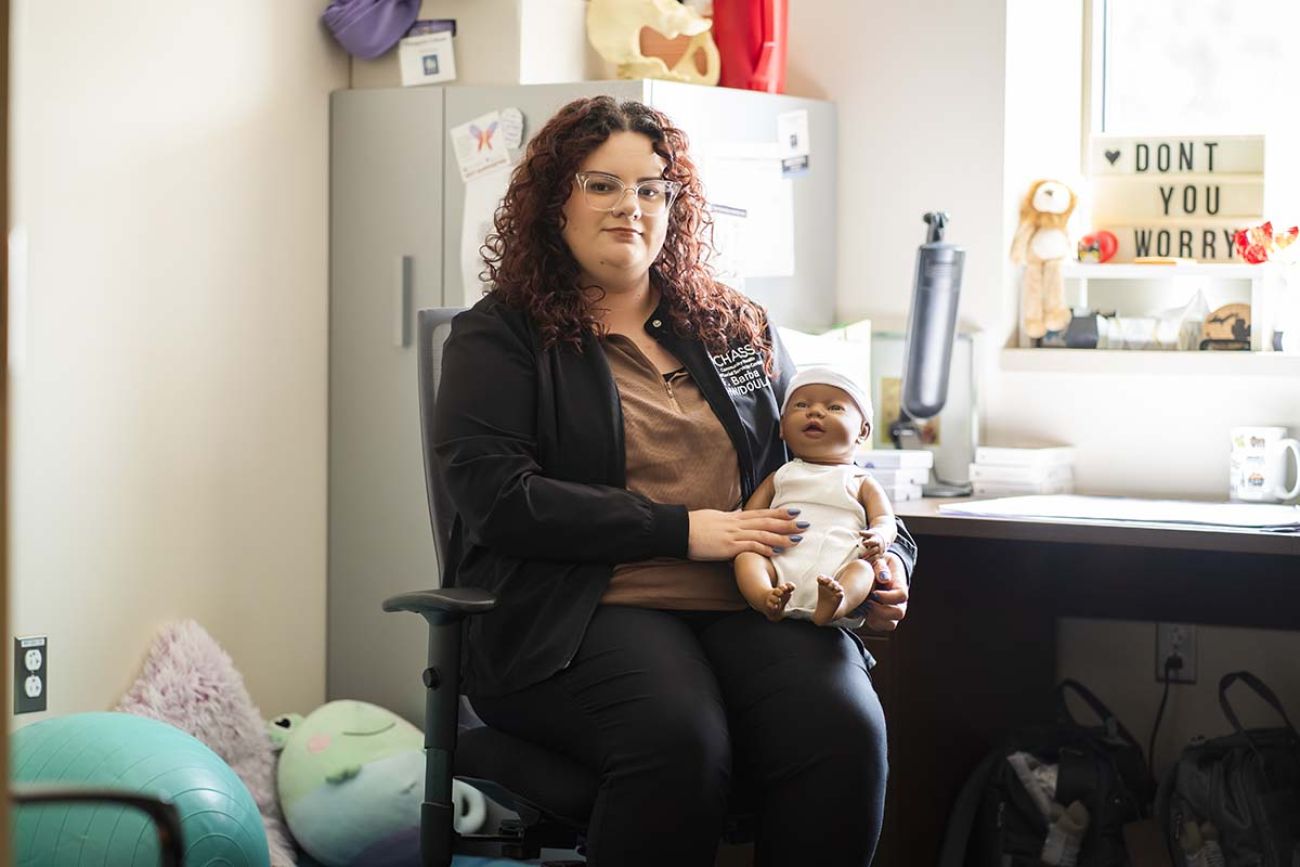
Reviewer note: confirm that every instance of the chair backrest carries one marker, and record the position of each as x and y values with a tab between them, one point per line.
434	325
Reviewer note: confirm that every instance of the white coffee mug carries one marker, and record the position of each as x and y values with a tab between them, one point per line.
1258	464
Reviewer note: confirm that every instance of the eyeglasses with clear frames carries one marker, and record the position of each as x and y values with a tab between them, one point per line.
604	192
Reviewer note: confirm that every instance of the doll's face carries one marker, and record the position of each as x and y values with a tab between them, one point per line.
822	424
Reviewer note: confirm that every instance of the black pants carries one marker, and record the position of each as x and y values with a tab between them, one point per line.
669	707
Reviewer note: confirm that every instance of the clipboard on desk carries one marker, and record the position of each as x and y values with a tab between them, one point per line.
1128	510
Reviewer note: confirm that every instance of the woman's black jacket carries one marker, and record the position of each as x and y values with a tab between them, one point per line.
530	444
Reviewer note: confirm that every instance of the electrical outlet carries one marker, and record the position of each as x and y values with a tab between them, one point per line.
31	670
1176	639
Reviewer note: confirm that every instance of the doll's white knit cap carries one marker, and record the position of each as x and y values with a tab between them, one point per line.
823	374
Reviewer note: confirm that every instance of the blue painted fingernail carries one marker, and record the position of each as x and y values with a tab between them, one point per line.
793	511
874	597
796	538
802	525
778	550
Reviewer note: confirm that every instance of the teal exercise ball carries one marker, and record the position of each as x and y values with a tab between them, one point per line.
219	819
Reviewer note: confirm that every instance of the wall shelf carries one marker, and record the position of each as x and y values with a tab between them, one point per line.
1129	271
1256	275
1128	362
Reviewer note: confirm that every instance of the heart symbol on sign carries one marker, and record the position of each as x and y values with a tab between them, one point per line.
1111	156
1105	243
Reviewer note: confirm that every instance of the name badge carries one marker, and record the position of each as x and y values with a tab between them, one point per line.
741	370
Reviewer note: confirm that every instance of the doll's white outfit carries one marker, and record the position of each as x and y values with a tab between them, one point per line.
827	497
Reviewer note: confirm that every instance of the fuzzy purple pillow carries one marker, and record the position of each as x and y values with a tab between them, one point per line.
191	683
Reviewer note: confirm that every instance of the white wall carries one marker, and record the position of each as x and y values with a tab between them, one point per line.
920	95
959	106
169	378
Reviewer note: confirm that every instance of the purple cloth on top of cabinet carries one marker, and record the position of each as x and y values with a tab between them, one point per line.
368	28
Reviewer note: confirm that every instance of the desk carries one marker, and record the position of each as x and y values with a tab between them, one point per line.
976	656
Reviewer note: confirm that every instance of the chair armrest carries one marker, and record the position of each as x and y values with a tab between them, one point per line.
166	819
443	605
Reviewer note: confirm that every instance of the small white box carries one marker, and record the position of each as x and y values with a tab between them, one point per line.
427	59
893	459
900	493
901	476
1020	475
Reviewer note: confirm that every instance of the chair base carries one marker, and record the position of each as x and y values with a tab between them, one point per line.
515	839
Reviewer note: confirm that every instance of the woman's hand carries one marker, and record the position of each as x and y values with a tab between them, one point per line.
888	600
717	535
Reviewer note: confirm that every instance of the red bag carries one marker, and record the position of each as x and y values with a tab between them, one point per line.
752	42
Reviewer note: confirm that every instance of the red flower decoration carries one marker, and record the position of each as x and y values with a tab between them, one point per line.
1254	254
1254	244
1284	239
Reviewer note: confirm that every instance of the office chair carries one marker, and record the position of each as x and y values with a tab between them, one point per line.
552	795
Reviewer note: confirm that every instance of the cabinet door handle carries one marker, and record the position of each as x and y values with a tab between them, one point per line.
402	303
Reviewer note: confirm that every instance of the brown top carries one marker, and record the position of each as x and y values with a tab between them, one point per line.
677	452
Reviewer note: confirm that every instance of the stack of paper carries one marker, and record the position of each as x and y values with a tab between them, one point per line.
1001	471
901	472
1255	516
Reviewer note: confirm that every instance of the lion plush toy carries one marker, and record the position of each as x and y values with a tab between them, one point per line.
1041	244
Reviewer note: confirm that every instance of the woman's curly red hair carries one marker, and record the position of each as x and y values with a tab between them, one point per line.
530	267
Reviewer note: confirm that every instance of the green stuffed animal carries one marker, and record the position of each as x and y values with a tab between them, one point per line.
351	780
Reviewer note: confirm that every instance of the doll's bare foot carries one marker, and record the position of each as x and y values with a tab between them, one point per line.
830	595
777	600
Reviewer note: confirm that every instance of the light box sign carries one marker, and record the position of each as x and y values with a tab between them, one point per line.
1202	240
1131	198
1176	196
1178	155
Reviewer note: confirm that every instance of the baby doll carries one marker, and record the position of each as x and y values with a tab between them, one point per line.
822	577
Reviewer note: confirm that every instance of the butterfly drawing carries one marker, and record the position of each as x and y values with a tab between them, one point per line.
483	136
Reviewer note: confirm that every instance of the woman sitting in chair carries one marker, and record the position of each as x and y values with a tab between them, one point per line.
603	413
